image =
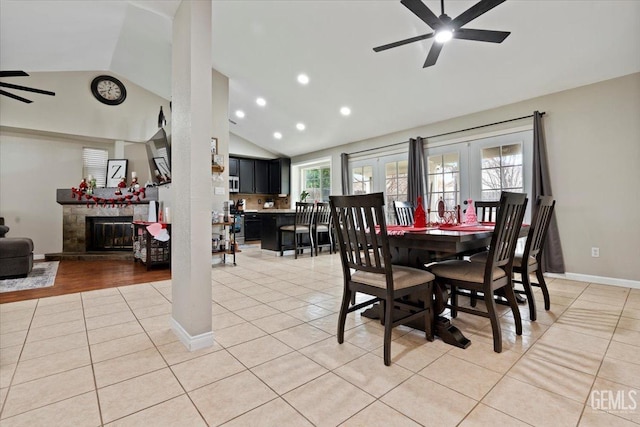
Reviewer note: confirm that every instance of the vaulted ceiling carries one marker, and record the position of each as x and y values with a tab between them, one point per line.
263	45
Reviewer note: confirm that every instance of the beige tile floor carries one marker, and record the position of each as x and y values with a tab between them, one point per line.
109	358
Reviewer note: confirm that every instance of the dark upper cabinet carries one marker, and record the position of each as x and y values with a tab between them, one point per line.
233	167
280	176
247	175
261	178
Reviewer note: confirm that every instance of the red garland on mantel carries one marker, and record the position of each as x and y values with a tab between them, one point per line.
120	201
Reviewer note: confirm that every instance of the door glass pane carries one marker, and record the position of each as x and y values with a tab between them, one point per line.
443	181
362	179
512	178
491	157
512	155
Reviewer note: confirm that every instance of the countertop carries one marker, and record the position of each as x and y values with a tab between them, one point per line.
270	211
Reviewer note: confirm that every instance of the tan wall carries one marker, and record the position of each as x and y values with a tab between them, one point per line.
593	143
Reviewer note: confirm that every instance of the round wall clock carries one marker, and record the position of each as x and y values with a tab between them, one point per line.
108	90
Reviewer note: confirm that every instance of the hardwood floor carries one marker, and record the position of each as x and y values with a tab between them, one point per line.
80	276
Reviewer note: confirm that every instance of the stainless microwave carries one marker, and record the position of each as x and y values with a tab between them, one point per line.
234	184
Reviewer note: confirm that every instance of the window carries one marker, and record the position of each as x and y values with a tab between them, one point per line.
94	163
317	182
501	170
362	180
443	181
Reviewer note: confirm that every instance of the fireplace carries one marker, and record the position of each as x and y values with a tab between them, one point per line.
109	233
93	230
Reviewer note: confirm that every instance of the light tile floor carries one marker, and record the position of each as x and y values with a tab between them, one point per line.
109	358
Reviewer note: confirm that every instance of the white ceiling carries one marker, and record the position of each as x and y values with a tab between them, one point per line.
263	45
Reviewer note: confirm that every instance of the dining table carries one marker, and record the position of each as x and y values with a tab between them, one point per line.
419	246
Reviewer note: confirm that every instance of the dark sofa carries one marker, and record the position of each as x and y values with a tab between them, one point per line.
16	254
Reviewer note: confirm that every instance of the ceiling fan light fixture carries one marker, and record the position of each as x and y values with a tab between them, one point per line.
443	36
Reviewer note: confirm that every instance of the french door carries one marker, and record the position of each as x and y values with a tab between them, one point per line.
479	170
386	173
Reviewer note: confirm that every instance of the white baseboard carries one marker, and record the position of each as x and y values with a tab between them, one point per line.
635	284
192	343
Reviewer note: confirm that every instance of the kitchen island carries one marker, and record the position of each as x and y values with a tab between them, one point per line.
271	220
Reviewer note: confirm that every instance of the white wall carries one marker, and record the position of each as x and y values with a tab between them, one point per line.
593	144
32	167
74	110
41	146
239	146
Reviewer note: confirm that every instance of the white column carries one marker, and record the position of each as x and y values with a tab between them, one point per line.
191	174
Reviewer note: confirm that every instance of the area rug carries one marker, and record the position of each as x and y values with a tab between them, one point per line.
42	275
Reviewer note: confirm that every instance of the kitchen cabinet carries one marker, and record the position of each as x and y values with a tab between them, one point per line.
247	175
233	166
279	176
261	178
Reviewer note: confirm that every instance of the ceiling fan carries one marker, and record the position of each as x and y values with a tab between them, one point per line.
446	28
17	87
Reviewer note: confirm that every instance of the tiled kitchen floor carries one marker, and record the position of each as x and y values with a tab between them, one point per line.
108	357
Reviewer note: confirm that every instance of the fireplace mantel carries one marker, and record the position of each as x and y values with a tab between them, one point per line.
65	196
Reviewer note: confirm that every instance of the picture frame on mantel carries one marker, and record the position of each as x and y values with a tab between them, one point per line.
116	169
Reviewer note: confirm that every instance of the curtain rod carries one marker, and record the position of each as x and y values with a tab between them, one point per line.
448	133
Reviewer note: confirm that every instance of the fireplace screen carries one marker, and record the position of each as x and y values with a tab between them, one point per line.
109	233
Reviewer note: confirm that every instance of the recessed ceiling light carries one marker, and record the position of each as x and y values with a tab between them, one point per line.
303	79
261	102
300	126
345	111
277	135
239	114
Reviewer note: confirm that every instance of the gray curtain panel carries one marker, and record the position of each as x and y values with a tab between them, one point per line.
416	171
344	168
552	259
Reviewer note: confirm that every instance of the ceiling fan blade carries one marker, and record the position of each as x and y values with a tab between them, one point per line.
19	98
13	74
481	35
403	42
474	11
423	12
28	89
434	52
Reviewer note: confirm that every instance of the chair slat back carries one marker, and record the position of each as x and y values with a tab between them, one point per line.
486	211
507	230
361	247
539	226
304	213
404	212
323	213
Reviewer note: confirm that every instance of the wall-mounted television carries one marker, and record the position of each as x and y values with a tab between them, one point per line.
159	155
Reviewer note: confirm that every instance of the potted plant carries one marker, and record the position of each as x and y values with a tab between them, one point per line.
303	196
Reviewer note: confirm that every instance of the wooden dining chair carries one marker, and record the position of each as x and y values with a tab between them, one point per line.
532	254
495	274
302	226
322	225
367	268
486	211
404	212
